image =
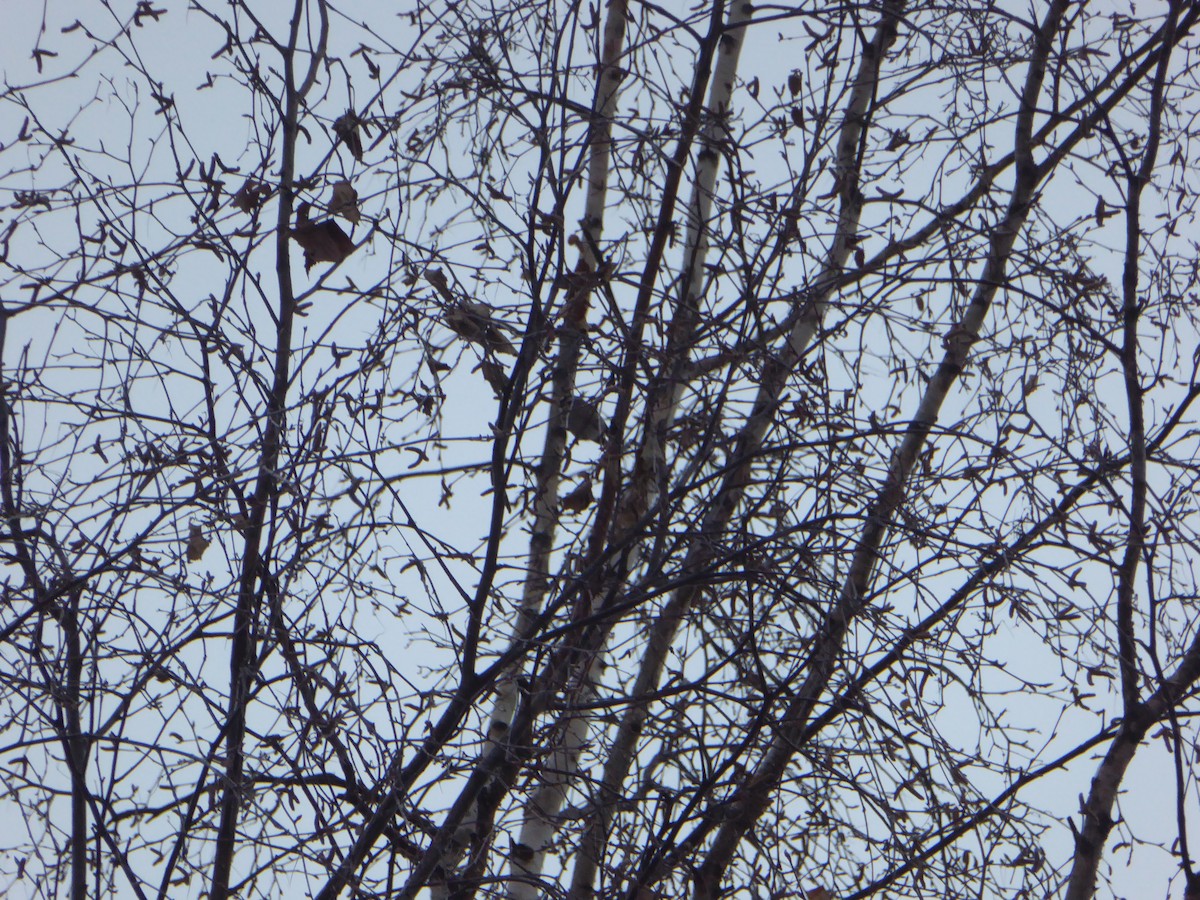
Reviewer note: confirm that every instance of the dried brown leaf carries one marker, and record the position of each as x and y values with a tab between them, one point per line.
250	196
322	241
344	202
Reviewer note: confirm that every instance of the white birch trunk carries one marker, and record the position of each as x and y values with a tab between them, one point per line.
540	823
546	501
787	356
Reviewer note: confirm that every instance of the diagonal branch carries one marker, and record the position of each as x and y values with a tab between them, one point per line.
472	832
751	798
732	489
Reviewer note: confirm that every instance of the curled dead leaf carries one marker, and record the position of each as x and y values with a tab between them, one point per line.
322	241
344	202
250	196
495	375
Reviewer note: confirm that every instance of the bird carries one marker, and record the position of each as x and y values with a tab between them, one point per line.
469	319
585	421
473	321
580	498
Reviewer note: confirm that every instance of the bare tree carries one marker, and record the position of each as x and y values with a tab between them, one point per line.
600	450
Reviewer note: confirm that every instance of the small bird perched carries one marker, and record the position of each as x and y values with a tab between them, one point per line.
473	321
585	422
469	319
346	128
580	498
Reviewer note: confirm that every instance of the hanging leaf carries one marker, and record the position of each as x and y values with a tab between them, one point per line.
322	241
494	373
250	196
346	128
197	543
344	202
794	83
